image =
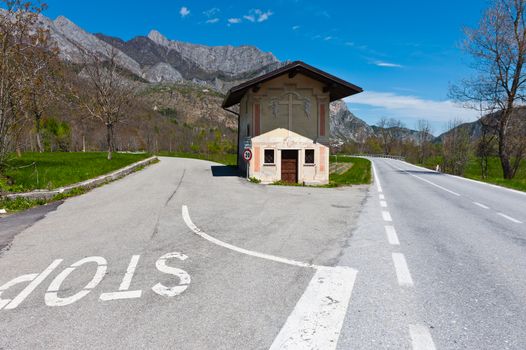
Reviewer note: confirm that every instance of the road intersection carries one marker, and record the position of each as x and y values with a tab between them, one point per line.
183	255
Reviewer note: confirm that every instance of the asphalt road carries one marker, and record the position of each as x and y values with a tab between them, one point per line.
448	270
184	255
105	279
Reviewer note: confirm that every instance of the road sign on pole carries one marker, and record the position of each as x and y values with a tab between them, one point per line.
247	154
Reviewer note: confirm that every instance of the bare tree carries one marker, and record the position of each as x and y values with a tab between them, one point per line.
455	148
107	95
385	135
42	80
485	145
424	139
17	37
391	135
498	48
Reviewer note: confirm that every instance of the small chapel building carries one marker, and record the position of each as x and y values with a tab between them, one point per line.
284	120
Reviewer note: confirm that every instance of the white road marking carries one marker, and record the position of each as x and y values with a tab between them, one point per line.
31	286
197	231
376	178
381	196
391	235
182	275
510	218
12	283
383	204
421	338
481	205
51	297
386	216
402	271
123	292
317	318
471	180
427	181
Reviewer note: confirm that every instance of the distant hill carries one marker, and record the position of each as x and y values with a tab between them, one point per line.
160	60
187	81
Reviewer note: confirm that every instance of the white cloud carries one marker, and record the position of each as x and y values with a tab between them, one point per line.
411	107
250	18
295	27
257	15
387	64
234	20
211	12
184	11
327	38
212	20
263	16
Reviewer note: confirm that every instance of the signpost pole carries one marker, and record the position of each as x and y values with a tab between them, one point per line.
247	156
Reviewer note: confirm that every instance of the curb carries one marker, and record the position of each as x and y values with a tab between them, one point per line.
88	184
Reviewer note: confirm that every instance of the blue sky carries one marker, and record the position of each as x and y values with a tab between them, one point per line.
404	53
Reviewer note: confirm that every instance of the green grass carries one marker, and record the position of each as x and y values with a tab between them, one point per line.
358	174
227	159
52	170
495	176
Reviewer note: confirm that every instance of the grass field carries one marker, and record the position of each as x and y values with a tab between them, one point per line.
227	159
359	173
473	171
52	170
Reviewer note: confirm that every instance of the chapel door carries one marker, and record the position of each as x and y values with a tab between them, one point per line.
289	166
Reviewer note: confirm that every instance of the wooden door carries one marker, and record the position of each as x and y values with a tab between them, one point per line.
289	166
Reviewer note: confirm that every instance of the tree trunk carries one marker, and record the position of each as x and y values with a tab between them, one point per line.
503	152
39	139
109	139
83	143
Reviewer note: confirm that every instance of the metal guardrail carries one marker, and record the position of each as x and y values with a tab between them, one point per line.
371	156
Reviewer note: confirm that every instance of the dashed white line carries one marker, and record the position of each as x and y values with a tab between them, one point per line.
383	204
392	237
386	216
421	338
381	196
481	205
402	271
510	218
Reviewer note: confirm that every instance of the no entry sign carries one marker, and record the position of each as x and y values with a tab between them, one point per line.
247	154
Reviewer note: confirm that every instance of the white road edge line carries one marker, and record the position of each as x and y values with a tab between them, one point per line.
376	178
471	180
382	197
402	271
429	182
421	338
510	218
386	216
481	205
383	204
317	318
392	237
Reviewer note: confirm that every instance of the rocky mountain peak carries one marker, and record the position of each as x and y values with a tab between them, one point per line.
158	38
